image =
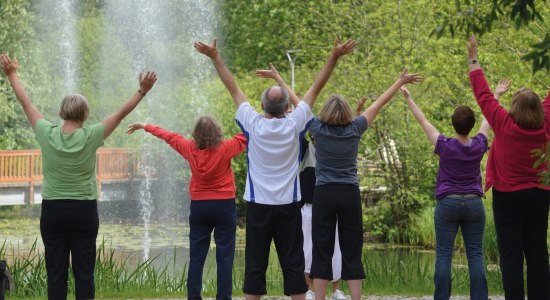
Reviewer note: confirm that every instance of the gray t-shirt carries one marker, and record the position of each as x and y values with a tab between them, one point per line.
336	151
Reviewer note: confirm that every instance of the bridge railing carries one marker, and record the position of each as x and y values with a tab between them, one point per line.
24	167
20	166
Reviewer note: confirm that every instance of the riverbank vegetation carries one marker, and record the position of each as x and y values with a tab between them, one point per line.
389	271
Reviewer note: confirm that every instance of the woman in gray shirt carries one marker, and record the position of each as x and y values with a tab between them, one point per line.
337	198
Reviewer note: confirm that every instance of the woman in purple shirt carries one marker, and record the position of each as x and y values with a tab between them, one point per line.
458	192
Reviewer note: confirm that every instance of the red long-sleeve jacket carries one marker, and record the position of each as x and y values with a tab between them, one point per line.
510	162
211	174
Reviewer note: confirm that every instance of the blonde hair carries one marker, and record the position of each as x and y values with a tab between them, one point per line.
74	107
207	133
336	111
526	109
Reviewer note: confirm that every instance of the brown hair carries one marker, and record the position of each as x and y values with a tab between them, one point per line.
526	109
336	111
207	133
74	107
463	119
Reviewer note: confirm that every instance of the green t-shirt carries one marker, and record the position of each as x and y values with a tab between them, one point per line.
69	160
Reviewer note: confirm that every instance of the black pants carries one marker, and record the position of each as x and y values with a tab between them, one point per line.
283	224
521	222
342	203
70	227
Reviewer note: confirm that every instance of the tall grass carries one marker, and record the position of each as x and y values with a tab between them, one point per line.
117	277
28	270
390	271
113	277
422	232
397	271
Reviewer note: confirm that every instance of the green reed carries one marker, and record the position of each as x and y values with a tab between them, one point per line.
422	232
399	271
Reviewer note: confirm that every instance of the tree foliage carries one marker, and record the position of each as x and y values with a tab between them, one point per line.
16	36
392	35
481	17
395	156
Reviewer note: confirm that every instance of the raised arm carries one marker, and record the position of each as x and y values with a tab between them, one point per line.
223	71
10	69
430	131
405	78
495	114
274	74
135	126
484	128
176	141
145	84
472	54
337	51
502	87
359	107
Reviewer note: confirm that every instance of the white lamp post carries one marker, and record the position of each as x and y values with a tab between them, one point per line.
292	60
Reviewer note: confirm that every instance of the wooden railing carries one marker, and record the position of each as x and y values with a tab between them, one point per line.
24	167
20	166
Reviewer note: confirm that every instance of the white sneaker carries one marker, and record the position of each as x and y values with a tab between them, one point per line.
338	295
310	295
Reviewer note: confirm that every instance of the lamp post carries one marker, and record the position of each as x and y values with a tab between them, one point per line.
292	60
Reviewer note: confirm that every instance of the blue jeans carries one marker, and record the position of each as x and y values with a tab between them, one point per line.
205	216
468	213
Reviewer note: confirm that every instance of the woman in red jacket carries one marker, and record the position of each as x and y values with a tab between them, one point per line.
212	191
520	203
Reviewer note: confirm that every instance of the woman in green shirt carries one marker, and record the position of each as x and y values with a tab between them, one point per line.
69	219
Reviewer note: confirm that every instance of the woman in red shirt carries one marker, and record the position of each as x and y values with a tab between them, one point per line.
520	203
212	191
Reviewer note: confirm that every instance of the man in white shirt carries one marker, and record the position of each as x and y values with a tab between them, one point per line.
272	185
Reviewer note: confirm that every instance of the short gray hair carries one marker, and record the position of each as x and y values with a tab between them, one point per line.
276	106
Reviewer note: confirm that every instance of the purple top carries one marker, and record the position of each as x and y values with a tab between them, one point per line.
459	166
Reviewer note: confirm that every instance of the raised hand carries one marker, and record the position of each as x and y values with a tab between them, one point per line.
472	48
502	87
210	51
406	78
359	107
146	82
274	74
340	50
135	126
405	91
10	69
222	70
8	66
271	73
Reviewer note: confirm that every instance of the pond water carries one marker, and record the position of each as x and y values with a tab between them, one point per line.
389	268
169	242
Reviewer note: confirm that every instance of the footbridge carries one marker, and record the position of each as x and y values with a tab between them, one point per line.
21	173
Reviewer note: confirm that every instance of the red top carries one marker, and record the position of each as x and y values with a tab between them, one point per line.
510	163
211	174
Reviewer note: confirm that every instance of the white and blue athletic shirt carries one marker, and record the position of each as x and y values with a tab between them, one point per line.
273	153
